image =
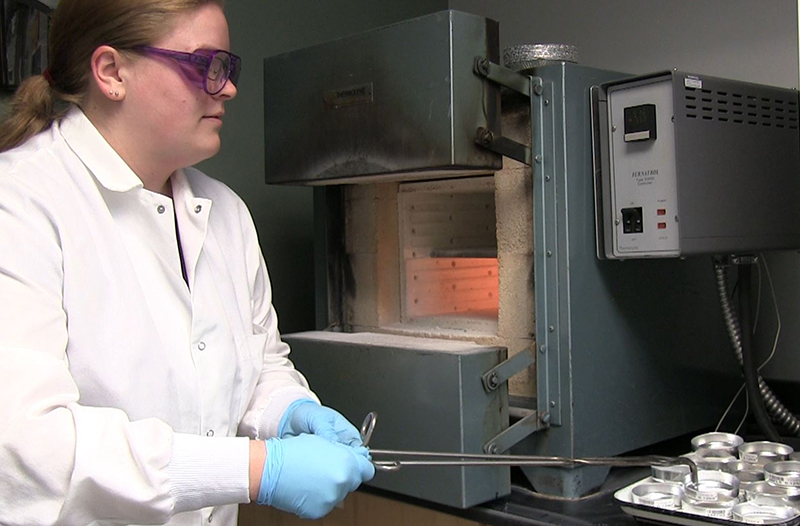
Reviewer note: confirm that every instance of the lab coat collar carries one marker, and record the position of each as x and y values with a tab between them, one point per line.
94	151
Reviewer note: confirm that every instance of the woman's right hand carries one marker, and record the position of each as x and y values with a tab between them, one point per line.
307	475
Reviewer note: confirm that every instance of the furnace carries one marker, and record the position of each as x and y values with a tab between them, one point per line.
458	290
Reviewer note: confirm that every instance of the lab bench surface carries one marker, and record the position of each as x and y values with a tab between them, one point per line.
374	507
526	508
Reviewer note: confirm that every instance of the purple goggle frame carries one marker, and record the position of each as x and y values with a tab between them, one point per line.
209	70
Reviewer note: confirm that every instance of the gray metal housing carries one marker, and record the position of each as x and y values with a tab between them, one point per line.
737	164
428	396
401	100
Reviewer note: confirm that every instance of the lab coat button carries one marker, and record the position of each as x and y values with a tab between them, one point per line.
198	208
201	346
210	433
160	209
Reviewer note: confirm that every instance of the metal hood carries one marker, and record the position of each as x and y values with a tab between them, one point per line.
398	102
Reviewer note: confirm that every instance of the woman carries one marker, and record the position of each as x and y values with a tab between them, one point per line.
137	334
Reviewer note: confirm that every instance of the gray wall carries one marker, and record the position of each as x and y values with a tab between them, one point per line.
752	40
284	215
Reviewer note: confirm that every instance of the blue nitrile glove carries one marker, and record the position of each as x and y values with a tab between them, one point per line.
307	475
307	416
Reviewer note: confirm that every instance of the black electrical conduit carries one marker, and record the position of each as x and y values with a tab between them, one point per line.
763	401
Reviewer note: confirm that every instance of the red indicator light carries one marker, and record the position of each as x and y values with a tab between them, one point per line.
661	211
662	226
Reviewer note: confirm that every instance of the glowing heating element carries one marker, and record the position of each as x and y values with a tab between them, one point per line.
452	286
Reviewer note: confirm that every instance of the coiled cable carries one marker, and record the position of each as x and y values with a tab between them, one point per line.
774	408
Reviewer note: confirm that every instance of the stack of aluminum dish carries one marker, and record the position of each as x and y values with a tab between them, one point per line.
752	483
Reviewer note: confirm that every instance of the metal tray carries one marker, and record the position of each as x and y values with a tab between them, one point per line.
654	515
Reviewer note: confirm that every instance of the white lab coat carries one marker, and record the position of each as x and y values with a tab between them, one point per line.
122	388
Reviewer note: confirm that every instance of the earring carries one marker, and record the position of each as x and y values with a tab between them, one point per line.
110	92
116	93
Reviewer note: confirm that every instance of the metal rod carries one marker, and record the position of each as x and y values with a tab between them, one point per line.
431	458
427	458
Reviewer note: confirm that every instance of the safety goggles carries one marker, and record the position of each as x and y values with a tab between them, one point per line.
209	70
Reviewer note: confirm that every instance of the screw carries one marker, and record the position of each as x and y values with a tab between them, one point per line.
538	158
545	418
542	349
537	89
493	449
482	66
485	137
614	128
493	381
616	221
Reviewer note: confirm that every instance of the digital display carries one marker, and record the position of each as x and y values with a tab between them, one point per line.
640	123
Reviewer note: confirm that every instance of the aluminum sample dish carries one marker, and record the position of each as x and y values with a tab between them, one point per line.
785	473
658	494
674	474
757	513
789	495
718	441
744	471
761	453
711	486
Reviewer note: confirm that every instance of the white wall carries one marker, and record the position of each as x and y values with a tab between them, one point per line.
752	40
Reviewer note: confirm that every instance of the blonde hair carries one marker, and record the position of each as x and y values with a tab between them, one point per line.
79	27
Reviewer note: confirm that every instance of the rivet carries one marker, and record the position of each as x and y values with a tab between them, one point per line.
616	221
546	102
493	449
198	208
614	128
549	253
551	328
537	89
546	177
538	158
542	348
160	209
552	403
545	418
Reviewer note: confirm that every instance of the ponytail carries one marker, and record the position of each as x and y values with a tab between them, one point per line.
33	109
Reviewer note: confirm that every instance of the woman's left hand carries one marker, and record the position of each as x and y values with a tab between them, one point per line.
306	416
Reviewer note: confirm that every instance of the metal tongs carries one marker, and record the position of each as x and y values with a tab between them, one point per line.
427	458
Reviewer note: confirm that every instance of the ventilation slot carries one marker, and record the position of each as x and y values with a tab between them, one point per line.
740	108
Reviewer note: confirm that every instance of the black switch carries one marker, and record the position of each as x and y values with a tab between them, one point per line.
640	123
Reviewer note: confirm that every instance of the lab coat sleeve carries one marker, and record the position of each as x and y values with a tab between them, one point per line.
63	463
279	383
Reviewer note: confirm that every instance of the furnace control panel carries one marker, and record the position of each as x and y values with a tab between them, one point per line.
689	164
643	180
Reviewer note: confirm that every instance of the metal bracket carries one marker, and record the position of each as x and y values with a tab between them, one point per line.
521	84
503	76
503	146
500	374
514	434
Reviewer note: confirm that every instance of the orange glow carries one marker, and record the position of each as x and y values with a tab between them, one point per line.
452	287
